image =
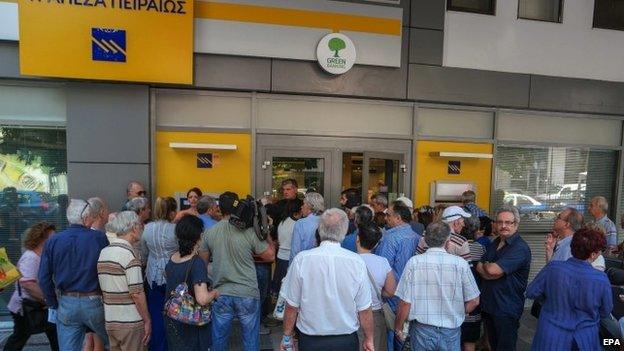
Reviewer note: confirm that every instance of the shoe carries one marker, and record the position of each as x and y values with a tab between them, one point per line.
264	330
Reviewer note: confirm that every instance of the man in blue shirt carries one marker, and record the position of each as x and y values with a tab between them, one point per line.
207	207
557	246
505	272
69	267
598	208
304	233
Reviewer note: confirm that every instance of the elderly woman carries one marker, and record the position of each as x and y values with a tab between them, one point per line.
141	206
576	296
27	288
304	232
158	243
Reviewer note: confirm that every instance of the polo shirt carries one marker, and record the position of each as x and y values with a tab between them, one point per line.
329	285
609	228
119	274
505	296
304	235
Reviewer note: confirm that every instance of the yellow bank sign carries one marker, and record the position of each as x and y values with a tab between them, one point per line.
122	40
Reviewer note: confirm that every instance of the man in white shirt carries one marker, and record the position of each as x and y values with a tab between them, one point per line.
436	290
327	292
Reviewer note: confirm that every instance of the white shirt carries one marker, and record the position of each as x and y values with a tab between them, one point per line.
437	284
284	236
329	285
379	267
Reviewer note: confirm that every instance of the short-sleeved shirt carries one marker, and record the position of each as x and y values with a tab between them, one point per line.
437	284
329	285
234	272
609	228
304	237
207	220
458	246
28	265
176	272
284	236
505	296
119	273
562	250
379	268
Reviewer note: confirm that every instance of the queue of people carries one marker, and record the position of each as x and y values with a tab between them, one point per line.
359	277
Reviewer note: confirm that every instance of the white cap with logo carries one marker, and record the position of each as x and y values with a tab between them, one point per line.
406	201
452	213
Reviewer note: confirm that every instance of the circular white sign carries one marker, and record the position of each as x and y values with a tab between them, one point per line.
336	53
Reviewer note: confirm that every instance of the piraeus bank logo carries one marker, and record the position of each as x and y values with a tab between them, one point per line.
108	45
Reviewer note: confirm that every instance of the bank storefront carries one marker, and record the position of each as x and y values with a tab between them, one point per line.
248	104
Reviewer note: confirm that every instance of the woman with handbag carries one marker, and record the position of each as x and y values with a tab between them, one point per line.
382	281
27	306
187	315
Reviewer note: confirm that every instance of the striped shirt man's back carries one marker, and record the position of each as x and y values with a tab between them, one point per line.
119	273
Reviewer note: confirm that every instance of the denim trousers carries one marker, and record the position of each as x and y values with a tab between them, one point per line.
263	274
247	310
74	315
425	337
155	303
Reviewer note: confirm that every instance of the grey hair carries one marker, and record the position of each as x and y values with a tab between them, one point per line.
380	199
205	203
333	225
131	185
468	197
601	202
315	201
511	209
574	218
96	206
437	234
77	211
123	223
137	204
111	216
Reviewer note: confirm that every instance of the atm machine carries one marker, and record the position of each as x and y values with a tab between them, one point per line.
449	192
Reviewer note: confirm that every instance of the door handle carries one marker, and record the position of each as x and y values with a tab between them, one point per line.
266	164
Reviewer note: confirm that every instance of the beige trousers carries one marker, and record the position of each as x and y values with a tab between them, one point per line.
126	340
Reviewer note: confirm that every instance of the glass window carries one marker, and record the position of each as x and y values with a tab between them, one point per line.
308	172
541	10
33	183
609	14
486	7
541	181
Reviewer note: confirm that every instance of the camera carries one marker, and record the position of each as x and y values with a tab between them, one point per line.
251	213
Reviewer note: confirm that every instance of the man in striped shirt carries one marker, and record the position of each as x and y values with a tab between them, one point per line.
119	271
458	245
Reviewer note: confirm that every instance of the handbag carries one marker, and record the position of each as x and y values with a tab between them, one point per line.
280	305
389	315
182	307
35	313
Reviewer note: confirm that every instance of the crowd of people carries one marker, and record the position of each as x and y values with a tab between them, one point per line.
381	275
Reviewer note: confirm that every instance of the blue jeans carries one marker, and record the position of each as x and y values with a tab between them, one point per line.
247	310
429	338
74	315
263	274
155	302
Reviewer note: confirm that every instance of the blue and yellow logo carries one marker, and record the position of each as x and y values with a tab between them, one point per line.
108	45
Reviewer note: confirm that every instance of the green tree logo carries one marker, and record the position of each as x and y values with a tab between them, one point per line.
335	45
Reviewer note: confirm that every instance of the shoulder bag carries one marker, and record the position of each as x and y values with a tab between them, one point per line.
182	307
35	313
389	315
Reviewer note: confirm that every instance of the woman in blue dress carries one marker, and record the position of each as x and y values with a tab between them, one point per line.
576	296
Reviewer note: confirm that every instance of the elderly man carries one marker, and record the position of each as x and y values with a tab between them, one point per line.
134	189
557	245
458	245
328	291
207	208
417	227
436	289
504	271
304	233
128	322
141	206
379	203
469	198
68	277
100	212
598	208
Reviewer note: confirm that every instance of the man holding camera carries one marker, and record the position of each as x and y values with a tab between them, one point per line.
234	276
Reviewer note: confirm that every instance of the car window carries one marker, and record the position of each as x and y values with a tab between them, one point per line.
523	201
23	198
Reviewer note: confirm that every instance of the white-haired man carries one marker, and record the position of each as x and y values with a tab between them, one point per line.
119	271
598	208
304	233
458	245
328	291
68	277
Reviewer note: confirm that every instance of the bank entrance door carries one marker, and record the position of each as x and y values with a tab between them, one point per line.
311	169
374	172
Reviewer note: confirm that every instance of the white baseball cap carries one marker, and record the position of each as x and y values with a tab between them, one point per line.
452	213
406	201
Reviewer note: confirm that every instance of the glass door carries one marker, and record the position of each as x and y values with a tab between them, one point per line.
383	173
311	170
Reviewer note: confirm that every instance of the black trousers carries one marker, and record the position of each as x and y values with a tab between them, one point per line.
348	342
502	331
21	334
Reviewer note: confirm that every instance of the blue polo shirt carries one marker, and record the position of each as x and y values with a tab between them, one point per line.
505	296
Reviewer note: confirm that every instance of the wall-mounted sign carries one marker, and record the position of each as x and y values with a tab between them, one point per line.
204	160
122	40
454	167
336	53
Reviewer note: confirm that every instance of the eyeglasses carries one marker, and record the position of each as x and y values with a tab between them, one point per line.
505	223
559	216
84	208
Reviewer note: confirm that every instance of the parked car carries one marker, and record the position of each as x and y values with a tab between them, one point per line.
529	207
31	205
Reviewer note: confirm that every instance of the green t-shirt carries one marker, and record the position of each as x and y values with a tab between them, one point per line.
233	268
